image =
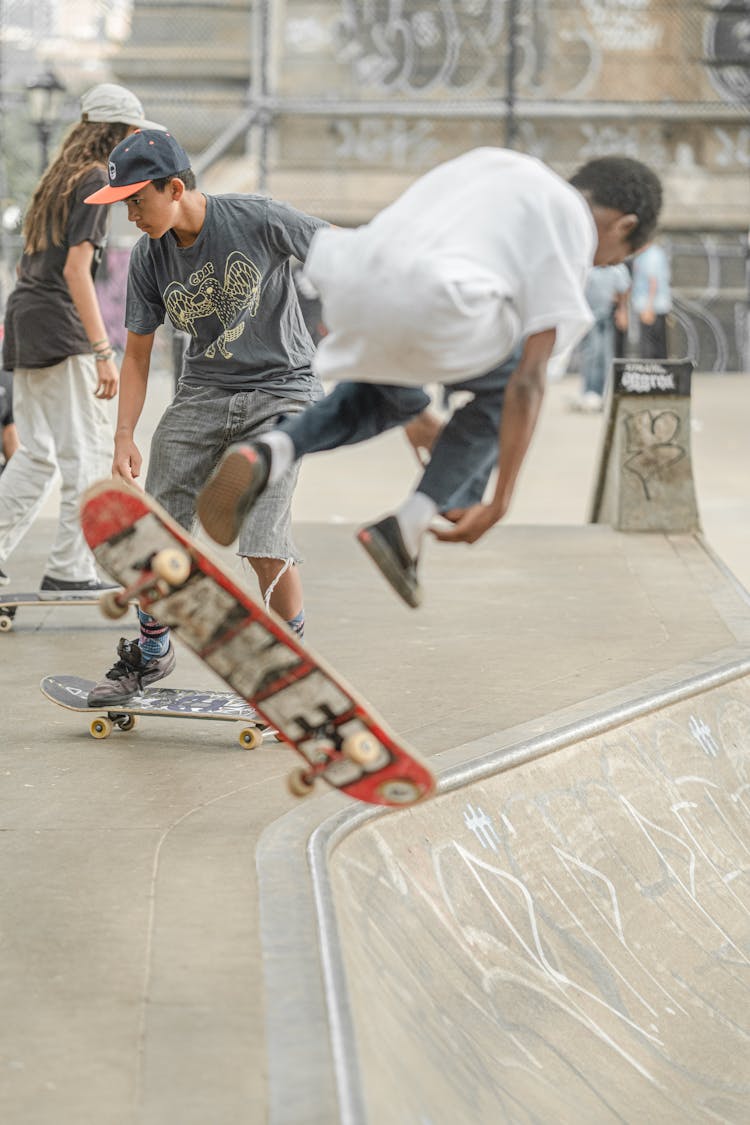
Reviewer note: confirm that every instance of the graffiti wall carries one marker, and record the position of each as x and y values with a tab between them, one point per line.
665	81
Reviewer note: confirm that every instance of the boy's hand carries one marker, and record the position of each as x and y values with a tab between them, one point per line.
108	379
422	433
470	525
127	460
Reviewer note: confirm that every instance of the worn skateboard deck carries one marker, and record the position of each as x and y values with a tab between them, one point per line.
9	603
338	735
72	692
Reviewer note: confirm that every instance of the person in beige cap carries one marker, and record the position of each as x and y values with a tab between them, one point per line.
56	343
108	102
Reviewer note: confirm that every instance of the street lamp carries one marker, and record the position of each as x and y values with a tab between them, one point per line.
46	93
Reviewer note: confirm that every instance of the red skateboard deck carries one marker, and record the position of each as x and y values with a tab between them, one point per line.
314	710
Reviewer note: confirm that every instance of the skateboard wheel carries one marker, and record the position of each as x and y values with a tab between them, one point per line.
250	738
111	606
125	722
399	791
362	748
300	783
172	565
6	623
100	728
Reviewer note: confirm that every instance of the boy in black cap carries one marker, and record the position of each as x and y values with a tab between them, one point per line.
219	267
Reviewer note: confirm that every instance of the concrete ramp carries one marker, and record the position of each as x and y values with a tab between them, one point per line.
568	940
563	934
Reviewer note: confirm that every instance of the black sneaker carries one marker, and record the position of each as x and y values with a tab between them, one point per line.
4	578
90	586
385	546
232	489
130	674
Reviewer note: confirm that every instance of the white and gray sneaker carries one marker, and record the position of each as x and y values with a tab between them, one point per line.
130	674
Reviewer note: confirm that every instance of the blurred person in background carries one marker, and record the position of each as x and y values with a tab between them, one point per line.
56	344
607	291
651	300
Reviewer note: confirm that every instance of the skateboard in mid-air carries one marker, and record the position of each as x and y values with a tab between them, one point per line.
313	709
72	692
9	603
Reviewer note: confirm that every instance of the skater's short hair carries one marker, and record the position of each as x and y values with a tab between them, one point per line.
187	175
627	185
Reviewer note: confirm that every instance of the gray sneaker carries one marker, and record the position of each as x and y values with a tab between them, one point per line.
385	546
130	674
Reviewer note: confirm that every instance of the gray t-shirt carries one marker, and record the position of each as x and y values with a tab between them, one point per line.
232	292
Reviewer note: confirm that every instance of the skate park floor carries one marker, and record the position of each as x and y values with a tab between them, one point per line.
182	942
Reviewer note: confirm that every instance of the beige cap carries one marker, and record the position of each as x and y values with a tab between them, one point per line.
109	102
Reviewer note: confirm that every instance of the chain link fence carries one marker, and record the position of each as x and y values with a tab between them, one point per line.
336	105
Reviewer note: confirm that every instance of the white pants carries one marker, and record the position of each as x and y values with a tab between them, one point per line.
62	427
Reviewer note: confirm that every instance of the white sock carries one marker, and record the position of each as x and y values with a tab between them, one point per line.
282	453
414	517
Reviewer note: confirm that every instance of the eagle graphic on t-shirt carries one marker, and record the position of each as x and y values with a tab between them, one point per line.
206	296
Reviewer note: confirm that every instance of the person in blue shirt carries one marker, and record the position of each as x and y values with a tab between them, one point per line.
651	300
607	290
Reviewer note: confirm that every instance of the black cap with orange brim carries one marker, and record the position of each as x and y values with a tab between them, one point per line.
146	155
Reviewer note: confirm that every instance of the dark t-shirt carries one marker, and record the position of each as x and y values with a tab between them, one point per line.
6	399
232	293
42	326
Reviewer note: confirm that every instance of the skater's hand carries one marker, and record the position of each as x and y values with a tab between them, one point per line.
127	461
422	433
109	378
469	525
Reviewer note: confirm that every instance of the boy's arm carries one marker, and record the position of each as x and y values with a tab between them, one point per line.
133	383
621	311
77	274
523	400
648	316
11	440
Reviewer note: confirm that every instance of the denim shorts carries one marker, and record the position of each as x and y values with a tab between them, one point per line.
194	432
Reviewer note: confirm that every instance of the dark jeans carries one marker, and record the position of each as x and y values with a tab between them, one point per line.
653	339
464	454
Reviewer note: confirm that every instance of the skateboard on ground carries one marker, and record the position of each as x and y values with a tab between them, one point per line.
341	739
9	603
72	692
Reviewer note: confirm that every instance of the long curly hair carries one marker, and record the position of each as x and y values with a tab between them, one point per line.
86	145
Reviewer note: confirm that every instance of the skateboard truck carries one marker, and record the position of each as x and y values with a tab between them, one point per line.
360	747
160	573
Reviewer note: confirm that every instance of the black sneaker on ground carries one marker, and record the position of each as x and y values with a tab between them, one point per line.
4	578
385	546
130	674
232	489
83	586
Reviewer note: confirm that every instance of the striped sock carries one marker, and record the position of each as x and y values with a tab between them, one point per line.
154	639
297	624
